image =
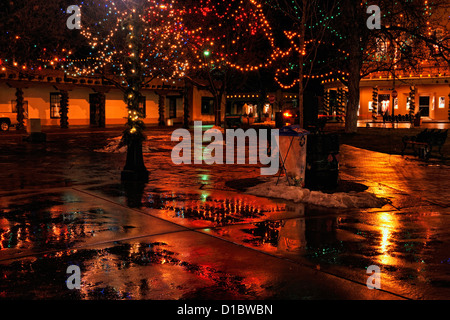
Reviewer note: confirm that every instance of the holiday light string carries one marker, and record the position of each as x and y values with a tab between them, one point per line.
199	36
277	54
199	41
373	56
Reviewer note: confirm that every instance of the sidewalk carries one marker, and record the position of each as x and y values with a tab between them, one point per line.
188	235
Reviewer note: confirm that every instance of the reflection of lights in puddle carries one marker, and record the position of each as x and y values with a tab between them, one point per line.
69	197
386	224
56	229
279	236
211	208
3	238
104	266
204	196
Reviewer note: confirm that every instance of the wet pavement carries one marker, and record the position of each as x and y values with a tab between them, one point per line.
192	233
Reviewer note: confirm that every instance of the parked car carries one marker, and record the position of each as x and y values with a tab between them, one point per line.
7	120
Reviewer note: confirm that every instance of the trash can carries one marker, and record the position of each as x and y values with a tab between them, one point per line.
293	143
322	161
33	125
34	131
279	119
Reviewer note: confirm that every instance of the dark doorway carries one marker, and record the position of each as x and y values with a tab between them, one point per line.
172	107
424	106
97	109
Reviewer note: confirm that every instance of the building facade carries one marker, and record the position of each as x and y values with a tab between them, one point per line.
426	94
424	91
97	102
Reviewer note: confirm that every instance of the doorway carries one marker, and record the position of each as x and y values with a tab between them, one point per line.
97	109
172	107
424	106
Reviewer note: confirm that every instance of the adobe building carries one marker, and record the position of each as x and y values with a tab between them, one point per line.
400	92
97	102
429	93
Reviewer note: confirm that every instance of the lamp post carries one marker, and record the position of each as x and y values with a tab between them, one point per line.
217	121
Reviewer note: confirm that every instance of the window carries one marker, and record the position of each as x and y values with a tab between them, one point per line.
381	48
55	101
441	102
384	103
143	106
207	105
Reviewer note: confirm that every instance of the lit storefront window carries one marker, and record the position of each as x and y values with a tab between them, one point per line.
441	102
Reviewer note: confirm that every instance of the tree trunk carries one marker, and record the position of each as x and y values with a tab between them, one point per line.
354	68
301	111
261	103
351	116
261	99
301	89
20	109
222	93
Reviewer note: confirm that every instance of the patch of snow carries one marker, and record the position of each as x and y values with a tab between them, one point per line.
113	147
297	194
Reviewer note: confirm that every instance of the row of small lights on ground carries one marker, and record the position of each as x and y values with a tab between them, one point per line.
257	96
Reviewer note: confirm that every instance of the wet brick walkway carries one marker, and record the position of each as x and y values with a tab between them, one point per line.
189	234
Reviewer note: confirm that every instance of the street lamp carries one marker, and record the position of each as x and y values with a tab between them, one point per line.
217	111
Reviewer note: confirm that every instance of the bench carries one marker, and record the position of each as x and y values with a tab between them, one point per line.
336	117
318	126
426	140
398	118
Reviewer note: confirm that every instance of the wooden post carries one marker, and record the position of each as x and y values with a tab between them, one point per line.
64	109
20	109
161	109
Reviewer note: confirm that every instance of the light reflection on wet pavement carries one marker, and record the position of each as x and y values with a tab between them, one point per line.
191	234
